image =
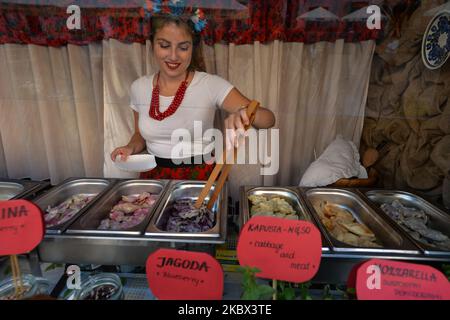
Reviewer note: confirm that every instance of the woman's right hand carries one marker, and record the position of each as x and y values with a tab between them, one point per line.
123	152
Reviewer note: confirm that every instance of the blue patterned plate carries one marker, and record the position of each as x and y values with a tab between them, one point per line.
436	41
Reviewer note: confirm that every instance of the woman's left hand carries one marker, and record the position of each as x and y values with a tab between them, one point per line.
235	127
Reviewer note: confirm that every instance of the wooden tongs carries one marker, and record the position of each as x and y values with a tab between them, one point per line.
251	112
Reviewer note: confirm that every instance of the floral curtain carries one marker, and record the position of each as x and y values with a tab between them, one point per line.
229	21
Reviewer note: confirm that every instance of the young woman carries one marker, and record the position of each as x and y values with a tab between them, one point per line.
178	95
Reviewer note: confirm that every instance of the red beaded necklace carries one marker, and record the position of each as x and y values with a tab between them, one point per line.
154	106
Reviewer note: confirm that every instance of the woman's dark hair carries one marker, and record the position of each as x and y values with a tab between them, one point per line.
158	22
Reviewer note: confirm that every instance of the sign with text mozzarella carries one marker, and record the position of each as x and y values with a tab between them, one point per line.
184	275
392	280
287	250
351	280
21	227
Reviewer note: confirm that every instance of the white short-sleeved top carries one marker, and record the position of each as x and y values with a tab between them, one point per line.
204	95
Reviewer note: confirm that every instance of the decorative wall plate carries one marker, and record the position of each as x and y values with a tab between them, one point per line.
436	41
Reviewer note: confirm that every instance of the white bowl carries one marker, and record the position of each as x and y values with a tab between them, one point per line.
136	163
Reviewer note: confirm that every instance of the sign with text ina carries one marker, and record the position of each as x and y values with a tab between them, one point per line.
184	275
287	250
21	227
392	280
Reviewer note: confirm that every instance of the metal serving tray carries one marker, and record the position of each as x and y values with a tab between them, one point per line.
108	250
191	190
438	219
9	190
390	239
37	191
18	189
67	189
287	193
89	222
